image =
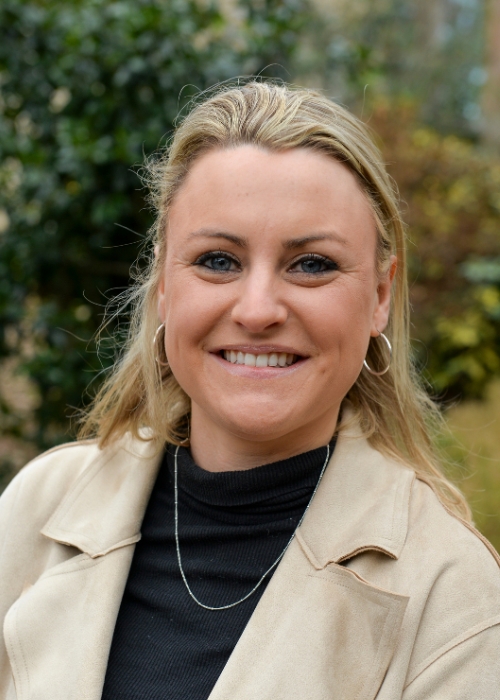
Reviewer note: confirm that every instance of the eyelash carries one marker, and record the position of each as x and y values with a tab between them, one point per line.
215	254
203	259
327	262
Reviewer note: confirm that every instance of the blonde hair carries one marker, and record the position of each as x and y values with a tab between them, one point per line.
393	410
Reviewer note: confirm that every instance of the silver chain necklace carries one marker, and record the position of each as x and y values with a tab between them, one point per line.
177	545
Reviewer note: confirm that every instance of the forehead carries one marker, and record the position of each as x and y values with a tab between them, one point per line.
252	189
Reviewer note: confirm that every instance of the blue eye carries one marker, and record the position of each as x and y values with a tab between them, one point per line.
314	264
218	262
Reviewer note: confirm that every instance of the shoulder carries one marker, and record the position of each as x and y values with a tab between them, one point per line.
44	481
447	571
75	495
34	493
444	537
445	561
436	551
51	473
62	458
26	505
453	575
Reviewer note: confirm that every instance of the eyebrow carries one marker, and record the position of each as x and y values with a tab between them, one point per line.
291	244
210	233
304	240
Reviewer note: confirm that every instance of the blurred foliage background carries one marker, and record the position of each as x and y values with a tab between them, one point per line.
88	87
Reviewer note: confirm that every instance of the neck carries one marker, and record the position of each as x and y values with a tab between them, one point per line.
216	449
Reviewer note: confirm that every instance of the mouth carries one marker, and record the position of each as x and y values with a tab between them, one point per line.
266	359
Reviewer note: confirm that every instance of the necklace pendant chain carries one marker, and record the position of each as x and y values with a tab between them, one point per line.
273	565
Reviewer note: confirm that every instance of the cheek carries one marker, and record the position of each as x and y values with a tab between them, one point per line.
342	322
191	312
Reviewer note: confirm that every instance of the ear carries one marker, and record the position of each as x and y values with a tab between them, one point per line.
161	300
383	304
161	290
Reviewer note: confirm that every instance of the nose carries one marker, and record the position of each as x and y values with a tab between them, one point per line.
258	307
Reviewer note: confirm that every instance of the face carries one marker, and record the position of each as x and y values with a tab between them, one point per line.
269	292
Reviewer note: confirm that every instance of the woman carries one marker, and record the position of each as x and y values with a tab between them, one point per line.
264	434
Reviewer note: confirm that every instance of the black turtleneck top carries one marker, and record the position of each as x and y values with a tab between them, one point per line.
232	527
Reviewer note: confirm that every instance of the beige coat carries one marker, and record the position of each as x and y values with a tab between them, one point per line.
382	593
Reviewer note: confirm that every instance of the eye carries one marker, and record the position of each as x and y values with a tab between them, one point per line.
218	261
313	265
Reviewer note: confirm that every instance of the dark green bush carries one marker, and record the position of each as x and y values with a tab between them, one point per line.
88	87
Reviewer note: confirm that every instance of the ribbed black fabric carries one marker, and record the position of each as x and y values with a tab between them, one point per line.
232	526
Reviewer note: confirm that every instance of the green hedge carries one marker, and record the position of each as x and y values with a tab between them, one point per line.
88	87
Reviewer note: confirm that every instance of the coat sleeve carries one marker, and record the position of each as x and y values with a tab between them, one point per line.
25	506
10	573
11	580
466	669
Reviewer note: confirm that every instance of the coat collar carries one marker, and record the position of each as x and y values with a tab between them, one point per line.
361	504
104	509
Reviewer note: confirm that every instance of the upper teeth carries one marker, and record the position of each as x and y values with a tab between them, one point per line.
271	359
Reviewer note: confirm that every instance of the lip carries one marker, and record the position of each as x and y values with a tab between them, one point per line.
259	349
256	372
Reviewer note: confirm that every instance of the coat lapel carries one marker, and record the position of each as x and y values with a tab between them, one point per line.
105	508
362	504
58	633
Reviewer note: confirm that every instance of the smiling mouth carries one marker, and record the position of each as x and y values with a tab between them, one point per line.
271	359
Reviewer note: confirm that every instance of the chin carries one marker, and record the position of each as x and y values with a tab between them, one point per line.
259	427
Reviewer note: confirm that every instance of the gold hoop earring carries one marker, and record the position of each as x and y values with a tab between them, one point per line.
155	342
389	346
